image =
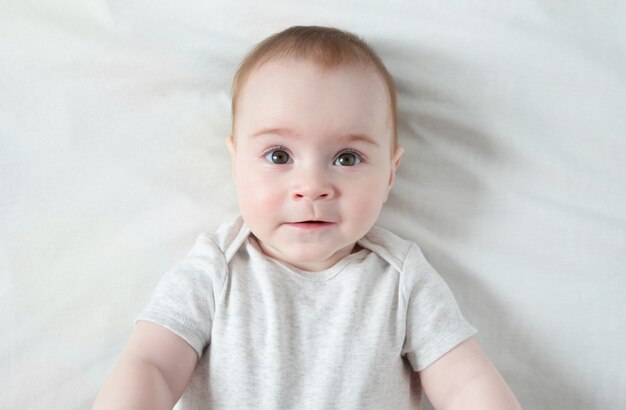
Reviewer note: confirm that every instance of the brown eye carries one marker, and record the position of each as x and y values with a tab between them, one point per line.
278	157
348	159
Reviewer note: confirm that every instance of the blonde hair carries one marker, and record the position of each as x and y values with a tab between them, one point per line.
329	47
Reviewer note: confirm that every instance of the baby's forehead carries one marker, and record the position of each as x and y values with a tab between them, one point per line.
281	92
295	64
281	77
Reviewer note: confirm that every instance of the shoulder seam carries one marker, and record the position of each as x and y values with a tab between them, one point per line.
212	238
403	270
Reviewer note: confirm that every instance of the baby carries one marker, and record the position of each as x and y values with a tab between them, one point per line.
302	302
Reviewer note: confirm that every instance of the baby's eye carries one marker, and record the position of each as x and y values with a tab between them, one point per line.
278	157
348	159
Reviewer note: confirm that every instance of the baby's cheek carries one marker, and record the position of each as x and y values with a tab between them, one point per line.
368	203
269	201
261	196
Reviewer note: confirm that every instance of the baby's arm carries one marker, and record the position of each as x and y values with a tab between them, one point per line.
152	372
465	378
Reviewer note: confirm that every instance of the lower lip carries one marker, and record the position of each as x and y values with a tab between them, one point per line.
310	226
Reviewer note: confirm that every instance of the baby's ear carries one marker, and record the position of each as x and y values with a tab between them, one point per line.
230	143
397	156
395	163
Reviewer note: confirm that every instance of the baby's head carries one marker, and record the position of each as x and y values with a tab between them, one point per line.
313	142
325	47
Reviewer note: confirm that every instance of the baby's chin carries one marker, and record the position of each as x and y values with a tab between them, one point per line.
310	258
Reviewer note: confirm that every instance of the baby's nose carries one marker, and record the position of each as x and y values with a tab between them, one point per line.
313	186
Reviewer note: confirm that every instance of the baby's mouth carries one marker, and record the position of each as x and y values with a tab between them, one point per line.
310	224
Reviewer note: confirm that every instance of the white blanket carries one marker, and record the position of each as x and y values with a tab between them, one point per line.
113	117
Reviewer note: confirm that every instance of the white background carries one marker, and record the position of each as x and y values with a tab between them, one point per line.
113	116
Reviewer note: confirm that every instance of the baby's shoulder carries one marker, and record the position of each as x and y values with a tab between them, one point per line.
220	246
403	255
389	246
230	236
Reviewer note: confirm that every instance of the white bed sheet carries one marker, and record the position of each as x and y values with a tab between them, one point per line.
113	116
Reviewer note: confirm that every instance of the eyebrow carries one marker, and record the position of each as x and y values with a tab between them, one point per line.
286	132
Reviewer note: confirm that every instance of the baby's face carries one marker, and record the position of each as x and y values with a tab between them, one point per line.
312	159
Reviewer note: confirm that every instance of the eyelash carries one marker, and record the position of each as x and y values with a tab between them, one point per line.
360	156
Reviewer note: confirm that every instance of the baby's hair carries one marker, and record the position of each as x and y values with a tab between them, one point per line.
329	47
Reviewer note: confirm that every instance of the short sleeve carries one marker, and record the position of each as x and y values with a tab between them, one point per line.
434	323
184	299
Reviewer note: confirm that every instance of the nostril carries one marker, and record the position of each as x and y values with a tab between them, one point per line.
312	194
307	196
